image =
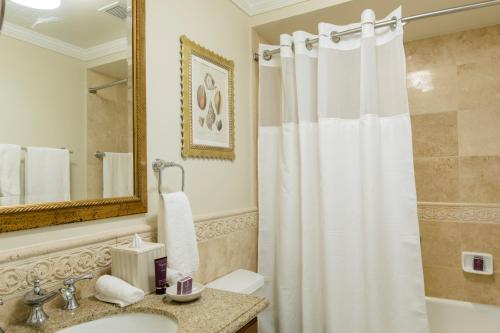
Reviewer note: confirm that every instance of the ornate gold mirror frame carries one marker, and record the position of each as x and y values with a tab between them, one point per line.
40	215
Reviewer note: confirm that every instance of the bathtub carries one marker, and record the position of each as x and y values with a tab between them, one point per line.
447	316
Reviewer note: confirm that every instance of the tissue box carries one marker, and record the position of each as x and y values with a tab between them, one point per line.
136	265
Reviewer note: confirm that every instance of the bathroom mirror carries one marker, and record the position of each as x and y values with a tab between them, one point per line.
72	128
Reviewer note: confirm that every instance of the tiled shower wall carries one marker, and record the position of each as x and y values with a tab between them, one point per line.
454	93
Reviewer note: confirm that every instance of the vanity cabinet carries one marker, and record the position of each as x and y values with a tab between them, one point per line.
251	327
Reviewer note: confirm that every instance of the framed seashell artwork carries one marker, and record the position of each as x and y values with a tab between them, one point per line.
207	101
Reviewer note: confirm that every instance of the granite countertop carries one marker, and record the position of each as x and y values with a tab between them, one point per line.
215	312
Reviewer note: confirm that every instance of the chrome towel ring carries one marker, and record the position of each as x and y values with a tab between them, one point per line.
159	165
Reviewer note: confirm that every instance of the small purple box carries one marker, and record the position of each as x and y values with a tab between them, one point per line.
185	286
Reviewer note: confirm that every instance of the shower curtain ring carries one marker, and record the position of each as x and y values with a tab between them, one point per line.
309	45
334	37
267	55
394	24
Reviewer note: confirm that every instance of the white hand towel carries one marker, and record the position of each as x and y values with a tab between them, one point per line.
118	180
47	175
10	178
111	289
176	231
173	276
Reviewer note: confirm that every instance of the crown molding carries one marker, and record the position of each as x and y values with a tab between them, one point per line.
255	7
101	50
59	46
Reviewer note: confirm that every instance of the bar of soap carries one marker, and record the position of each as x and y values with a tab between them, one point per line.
185	286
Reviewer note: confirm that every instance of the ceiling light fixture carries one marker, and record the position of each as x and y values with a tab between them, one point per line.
39	4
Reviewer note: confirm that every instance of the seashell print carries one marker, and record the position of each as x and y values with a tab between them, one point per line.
209	81
210	117
201	121
219	125
202	97
217	100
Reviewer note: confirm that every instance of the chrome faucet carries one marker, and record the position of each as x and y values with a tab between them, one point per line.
36	298
1	330
68	293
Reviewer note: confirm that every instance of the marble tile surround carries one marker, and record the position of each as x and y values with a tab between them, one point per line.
225	242
454	94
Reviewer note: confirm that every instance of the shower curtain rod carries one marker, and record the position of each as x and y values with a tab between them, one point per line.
107	85
336	35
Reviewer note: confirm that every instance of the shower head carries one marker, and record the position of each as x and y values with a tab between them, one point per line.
117	9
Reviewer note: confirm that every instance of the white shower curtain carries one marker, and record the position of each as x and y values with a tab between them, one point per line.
338	239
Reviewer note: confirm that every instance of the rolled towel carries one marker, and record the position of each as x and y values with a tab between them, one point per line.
173	276
111	289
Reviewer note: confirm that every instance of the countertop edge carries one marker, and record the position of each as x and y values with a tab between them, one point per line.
245	318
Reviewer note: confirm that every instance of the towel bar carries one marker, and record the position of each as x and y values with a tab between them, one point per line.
159	165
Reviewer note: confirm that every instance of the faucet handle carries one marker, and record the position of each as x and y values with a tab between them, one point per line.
72	280
36	286
68	293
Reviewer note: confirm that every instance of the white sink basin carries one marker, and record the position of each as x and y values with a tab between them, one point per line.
126	323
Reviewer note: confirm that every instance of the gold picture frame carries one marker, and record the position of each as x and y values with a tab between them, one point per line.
207	103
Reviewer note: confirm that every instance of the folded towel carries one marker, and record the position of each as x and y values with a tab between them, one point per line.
47	175
111	289
10	178
173	276
118	179
176	231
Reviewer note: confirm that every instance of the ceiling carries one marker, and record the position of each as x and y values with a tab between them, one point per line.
254	7
116	69
350	12
76	22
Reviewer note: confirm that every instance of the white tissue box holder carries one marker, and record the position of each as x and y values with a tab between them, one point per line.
136	265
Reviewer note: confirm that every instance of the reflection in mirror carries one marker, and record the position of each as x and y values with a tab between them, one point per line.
66	117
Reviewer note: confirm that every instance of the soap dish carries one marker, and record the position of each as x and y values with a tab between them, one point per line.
195	294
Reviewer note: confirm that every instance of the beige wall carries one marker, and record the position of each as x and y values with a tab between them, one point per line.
453	85
213	186
43	102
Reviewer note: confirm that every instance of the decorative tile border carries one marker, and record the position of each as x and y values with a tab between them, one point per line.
218	227
52	267
459	213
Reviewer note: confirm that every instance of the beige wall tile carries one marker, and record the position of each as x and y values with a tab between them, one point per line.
444	282
457	74
482	289
435	134
432	89
479	84
440	244
479	179
477	45
477	237
430	52
213	255
437	179
223	255
479	132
